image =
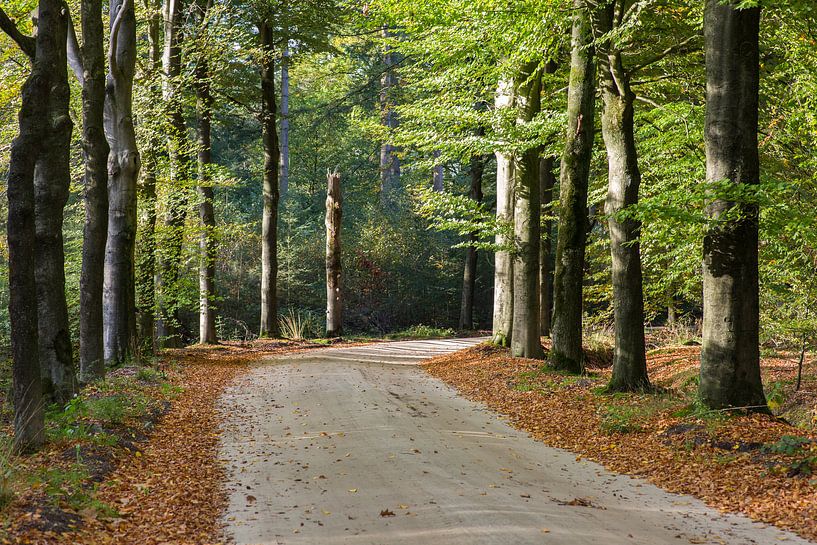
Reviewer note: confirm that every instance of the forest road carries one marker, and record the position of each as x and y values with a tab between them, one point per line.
360	446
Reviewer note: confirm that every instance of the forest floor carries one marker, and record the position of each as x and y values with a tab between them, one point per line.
762	466
133	459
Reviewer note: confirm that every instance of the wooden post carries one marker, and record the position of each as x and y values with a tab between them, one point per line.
334	211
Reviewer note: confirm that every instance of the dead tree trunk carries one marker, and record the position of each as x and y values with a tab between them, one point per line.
525	341
269	221
567	352
469	274
52	178
89	68
730	357
123	171
503	259
29	430
334	295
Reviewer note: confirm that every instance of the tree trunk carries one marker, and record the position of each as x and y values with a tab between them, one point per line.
269	221
172	231
546	182
123	171
146	227
389	160
730	359
567	352
95	232
334	213
624	180
469	274
284	182
438	174
52	178
29	431
525	340
503	259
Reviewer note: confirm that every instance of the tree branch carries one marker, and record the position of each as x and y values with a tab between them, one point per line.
74	52
668	51
114	40
26	43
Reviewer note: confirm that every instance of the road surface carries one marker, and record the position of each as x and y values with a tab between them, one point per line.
360	446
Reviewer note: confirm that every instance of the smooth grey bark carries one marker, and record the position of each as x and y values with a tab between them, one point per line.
269	220
52	178
168	327
284	181
624	180
88	62
566	353
334	294
547	180
146	223
525	341
503	259
469	272
438	174
123	171
730	359
389	159
29	429
207	241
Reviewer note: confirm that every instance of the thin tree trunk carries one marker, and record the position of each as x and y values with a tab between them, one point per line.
525	340
389	160
334	295
172	231
91	74
469	273
503	259
567	352
146	227
438	174
284	182
546	182
123	171
269	221
730	358
29	430
52	178
207	242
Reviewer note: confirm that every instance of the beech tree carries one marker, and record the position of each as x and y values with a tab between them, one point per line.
123	171
730	358
334	293
575	169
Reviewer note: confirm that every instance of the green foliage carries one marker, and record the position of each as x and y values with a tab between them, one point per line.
422	332
788	445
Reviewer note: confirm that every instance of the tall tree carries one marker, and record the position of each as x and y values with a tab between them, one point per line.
207	241
123	171
146	224
575	170
503	257
269	221
389	158
547	180
730	359
29	428
334	293
624	180
88	62
172	230
525	336
469	272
